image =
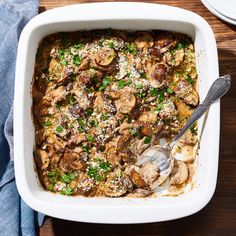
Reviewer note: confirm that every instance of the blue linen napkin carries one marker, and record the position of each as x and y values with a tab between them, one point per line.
16	218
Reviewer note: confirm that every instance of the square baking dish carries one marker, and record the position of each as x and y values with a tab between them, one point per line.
127	16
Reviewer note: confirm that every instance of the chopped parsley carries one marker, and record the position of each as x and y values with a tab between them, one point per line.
122	84
52	176
111	45
106	81
131	48
78	46
77	60
90	138
193	128
69	99
68	178
93	123
59	129
67	191
183	44
51	186
147	140
140	95
139	86
89	111
169	90
85	149
46	123
159	107
82	124
143	75
99	171
189	79
134	132
161	96
100	44
104	117
154	92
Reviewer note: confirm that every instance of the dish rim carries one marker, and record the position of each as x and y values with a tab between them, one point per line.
128	205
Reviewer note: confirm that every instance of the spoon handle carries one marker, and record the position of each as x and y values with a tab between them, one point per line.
218	89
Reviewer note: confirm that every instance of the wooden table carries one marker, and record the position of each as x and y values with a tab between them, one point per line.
218	218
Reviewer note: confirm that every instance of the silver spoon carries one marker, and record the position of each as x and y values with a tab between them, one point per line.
161	155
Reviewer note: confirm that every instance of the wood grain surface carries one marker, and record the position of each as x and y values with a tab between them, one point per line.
218	218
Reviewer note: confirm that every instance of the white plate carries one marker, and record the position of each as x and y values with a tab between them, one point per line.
127	16
218	14
225	7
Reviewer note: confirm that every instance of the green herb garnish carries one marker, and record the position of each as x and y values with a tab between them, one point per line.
139	86
77	60
131	48
169	90
89	111
104	117
153	92
134	132
189	79
81	127
93	123
159	107
67	191
122	84
99	172
143	75
59	129
90	138
46	123
161	96
183	44
52	176
106	81
111	45
68	178
147	140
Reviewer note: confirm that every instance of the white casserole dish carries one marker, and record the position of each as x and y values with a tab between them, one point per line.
130	16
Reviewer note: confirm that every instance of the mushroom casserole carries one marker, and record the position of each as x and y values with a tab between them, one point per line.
100	98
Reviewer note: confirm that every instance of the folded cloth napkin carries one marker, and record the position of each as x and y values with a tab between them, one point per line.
16	218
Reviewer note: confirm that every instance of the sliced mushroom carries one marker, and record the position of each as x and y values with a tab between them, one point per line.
148	117
117	184
137	180
156	72
126	103
105	56
124	141
41	108
149	172
86	186
102	104
164	42
114	156
56	94
72	161
41	158
76	139
179	173
138	193
146	130
138	146
189	138
168	110
84	64
144	40
174	59
185	91
184	111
